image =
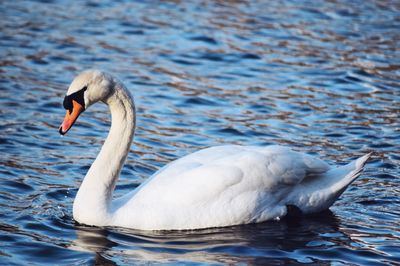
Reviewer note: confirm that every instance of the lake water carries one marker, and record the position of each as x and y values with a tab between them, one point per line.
319	76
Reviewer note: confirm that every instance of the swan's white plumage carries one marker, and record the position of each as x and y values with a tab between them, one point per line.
218	186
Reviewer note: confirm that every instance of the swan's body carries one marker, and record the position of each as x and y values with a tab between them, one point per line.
218	186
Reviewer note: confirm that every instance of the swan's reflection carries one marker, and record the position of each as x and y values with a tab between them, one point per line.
94	239
256	243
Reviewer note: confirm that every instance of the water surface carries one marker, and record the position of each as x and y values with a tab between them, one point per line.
321	77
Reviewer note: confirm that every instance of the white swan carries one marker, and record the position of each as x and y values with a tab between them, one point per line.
218	186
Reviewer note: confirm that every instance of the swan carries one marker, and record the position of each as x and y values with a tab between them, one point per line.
214	187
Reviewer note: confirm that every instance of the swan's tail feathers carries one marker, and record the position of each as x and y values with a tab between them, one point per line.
353	170
325	191
345	175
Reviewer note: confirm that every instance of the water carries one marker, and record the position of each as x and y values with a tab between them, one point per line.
322	78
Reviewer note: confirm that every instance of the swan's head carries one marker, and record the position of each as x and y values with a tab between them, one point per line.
87	88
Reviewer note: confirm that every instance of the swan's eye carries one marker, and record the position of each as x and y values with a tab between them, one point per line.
76	96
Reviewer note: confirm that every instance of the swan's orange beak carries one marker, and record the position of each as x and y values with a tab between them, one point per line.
71	117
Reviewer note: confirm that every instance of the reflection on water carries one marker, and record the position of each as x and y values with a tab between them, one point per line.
322	79
288	241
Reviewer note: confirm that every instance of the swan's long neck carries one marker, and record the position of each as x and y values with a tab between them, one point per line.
93	200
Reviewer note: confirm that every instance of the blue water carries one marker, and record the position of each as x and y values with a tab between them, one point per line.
319	76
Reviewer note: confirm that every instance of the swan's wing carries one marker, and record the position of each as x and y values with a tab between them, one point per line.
188	183
287	167
205	175
219	186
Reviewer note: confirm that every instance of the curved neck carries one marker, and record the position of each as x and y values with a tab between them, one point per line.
92	202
